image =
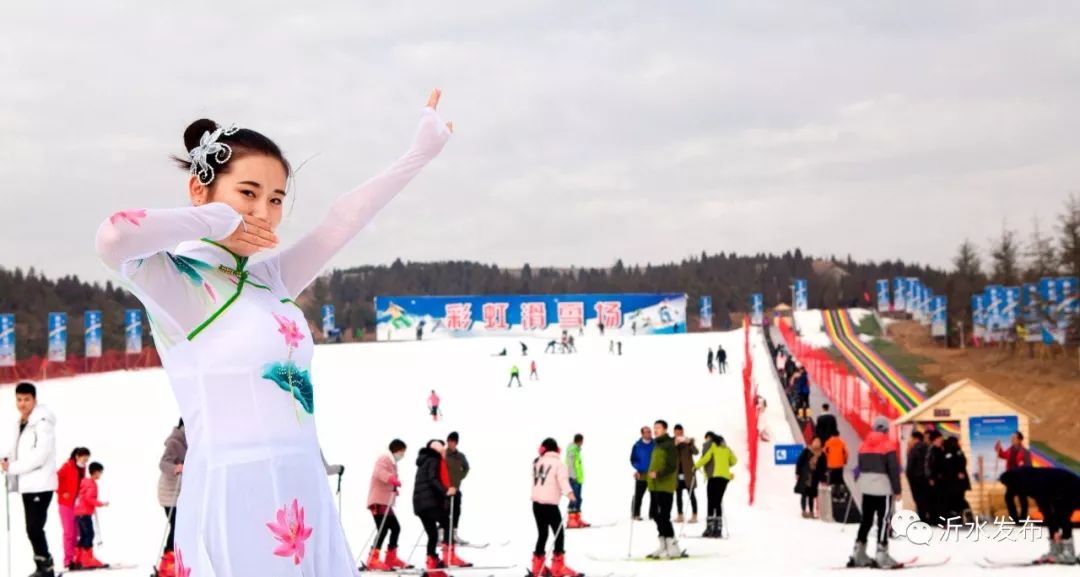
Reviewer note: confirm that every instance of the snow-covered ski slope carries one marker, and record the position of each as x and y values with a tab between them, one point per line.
368	394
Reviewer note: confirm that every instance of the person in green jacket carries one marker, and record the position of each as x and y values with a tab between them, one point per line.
717	462
515	375
577	479
663	480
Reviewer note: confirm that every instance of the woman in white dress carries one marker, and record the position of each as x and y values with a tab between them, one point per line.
237	350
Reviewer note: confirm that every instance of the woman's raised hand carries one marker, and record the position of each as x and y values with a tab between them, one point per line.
433	103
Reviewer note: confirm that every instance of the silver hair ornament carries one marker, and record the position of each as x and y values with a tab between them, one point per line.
210	148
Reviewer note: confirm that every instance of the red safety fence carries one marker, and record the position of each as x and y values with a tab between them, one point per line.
849	395
753	437
38	368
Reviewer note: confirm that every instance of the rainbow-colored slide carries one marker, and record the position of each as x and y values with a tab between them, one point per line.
886	380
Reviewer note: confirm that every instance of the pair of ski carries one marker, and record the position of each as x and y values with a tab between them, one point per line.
912	563
447	570
109	567
988	563
482	545
594	526
646	559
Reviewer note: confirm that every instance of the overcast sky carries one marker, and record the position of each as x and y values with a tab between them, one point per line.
585	131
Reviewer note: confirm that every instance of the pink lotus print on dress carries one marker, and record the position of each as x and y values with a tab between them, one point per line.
288	328
132	216
291	532
181	569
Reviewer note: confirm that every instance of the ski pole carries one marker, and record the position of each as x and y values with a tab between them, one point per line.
378	530
415	545
630	545
847	511
339	476
100	539
7	515
885	525
170	520
452	538
559	531
690	495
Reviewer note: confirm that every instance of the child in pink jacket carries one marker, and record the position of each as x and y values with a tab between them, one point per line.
550	482
86	505
381	497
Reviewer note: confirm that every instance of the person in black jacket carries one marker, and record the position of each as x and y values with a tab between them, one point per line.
430	494
809	473
826	427
1057	493
935	475
721	360
957	482
916	474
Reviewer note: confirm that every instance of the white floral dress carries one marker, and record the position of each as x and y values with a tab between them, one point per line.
255	500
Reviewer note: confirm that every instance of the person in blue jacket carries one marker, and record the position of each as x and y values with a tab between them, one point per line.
802	388
640	457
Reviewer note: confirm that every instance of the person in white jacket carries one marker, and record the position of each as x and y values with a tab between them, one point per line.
30	466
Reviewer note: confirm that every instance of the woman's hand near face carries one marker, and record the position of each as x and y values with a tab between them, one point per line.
253	235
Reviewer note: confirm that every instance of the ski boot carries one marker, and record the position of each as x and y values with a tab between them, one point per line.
87	559
393	562
1068	553
450	558
672	549
434	567
538	569
859	558
559	568
661	551
44	567
167	566
679	518
1052	555
373	562
719	534
710	526
883	560
693	519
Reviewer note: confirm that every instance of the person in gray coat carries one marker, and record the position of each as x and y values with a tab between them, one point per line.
172	469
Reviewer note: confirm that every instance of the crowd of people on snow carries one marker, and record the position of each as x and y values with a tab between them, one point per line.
936	469
665	467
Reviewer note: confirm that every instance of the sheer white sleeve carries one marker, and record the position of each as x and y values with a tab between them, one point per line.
136	245
302	262
131	235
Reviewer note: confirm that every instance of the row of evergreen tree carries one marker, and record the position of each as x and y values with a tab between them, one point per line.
1011	261
728	278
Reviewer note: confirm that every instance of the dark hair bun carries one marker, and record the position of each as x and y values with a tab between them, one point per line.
194	132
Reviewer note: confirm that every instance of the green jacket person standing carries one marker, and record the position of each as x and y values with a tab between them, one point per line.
663	480
577	479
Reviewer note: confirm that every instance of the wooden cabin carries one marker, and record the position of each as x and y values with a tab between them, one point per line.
978	417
